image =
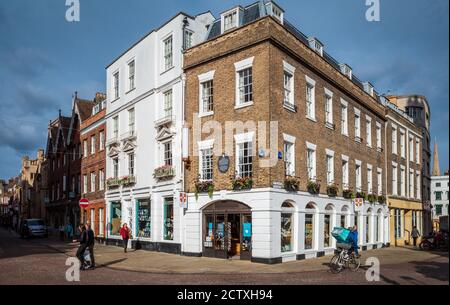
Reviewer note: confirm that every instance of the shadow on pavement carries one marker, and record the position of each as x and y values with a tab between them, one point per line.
434	270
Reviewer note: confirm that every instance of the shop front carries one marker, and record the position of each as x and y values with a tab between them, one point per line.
227	230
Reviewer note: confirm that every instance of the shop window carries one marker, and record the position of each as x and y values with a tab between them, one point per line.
144	218
326	231
116	217
309	227
168	219
287	227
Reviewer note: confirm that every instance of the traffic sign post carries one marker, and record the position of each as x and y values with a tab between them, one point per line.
84	203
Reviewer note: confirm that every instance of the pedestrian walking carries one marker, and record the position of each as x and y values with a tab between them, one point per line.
125	232
69	231
415	234
91	243
83	245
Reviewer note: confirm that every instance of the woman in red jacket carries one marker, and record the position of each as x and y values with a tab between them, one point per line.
125	233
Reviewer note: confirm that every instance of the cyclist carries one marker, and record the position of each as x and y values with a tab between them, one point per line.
353	239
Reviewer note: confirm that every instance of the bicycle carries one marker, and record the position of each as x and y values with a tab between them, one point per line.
344	259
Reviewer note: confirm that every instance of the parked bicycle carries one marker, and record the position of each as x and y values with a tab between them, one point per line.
346	258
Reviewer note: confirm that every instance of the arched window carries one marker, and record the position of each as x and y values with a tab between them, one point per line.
310	221
287	227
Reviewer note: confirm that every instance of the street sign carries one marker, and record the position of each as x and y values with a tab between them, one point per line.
84	203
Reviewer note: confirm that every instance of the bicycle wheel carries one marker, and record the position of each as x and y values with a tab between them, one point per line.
354	263
335	266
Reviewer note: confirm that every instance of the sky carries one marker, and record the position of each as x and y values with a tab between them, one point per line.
44	59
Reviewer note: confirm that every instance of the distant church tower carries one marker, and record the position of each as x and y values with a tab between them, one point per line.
436	170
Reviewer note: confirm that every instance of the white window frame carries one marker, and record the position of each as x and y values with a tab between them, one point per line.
311	161
115	167
131	164
167	156
368	131
116	85
85	148
202	147
411	148
310	99
85	184
234	22
168	103
328	107
289	156
419	185
344	117
402	181
370	179
289	92
239	67
188	38
203	79
358	175
330	166
241	139
402	143
417	151
115	122
378	135
101	140
394	137
345	171
379	181
411	184
131	74
168	53
131	120
394	179
93	179
357	125
93	144
101	180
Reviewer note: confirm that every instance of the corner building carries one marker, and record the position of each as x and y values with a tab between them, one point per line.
328	148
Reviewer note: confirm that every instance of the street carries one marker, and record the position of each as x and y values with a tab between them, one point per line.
42	261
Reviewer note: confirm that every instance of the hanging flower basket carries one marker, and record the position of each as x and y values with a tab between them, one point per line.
347	194
361	195
313	187
203	187
239	183
381	199
292	184
372	198
332	190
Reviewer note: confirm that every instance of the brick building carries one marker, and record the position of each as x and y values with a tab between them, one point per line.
64	154
404	175
278	201
93	132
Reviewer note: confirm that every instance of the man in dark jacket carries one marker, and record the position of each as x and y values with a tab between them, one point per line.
83	239
91	243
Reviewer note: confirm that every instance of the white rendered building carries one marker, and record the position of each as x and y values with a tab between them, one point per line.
144	126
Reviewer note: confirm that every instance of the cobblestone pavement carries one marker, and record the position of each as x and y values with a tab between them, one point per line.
43	261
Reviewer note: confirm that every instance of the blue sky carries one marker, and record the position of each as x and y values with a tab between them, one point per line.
44	58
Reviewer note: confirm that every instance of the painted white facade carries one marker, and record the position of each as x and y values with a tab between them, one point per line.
266	211
439	195
152	126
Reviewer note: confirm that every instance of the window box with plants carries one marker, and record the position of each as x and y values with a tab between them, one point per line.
128	180
164	172
112	182
381	199
361	195
347	193
372	198
291	184
332	190
241	183
313	187
203	186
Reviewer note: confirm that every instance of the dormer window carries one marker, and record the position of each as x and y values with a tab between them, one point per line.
275	11
346	70
316	45
368	87
230	19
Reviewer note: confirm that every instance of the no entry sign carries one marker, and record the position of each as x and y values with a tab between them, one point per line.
84	203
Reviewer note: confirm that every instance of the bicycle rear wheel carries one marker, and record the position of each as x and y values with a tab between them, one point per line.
335	266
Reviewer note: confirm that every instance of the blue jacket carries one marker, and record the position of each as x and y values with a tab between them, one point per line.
353	238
